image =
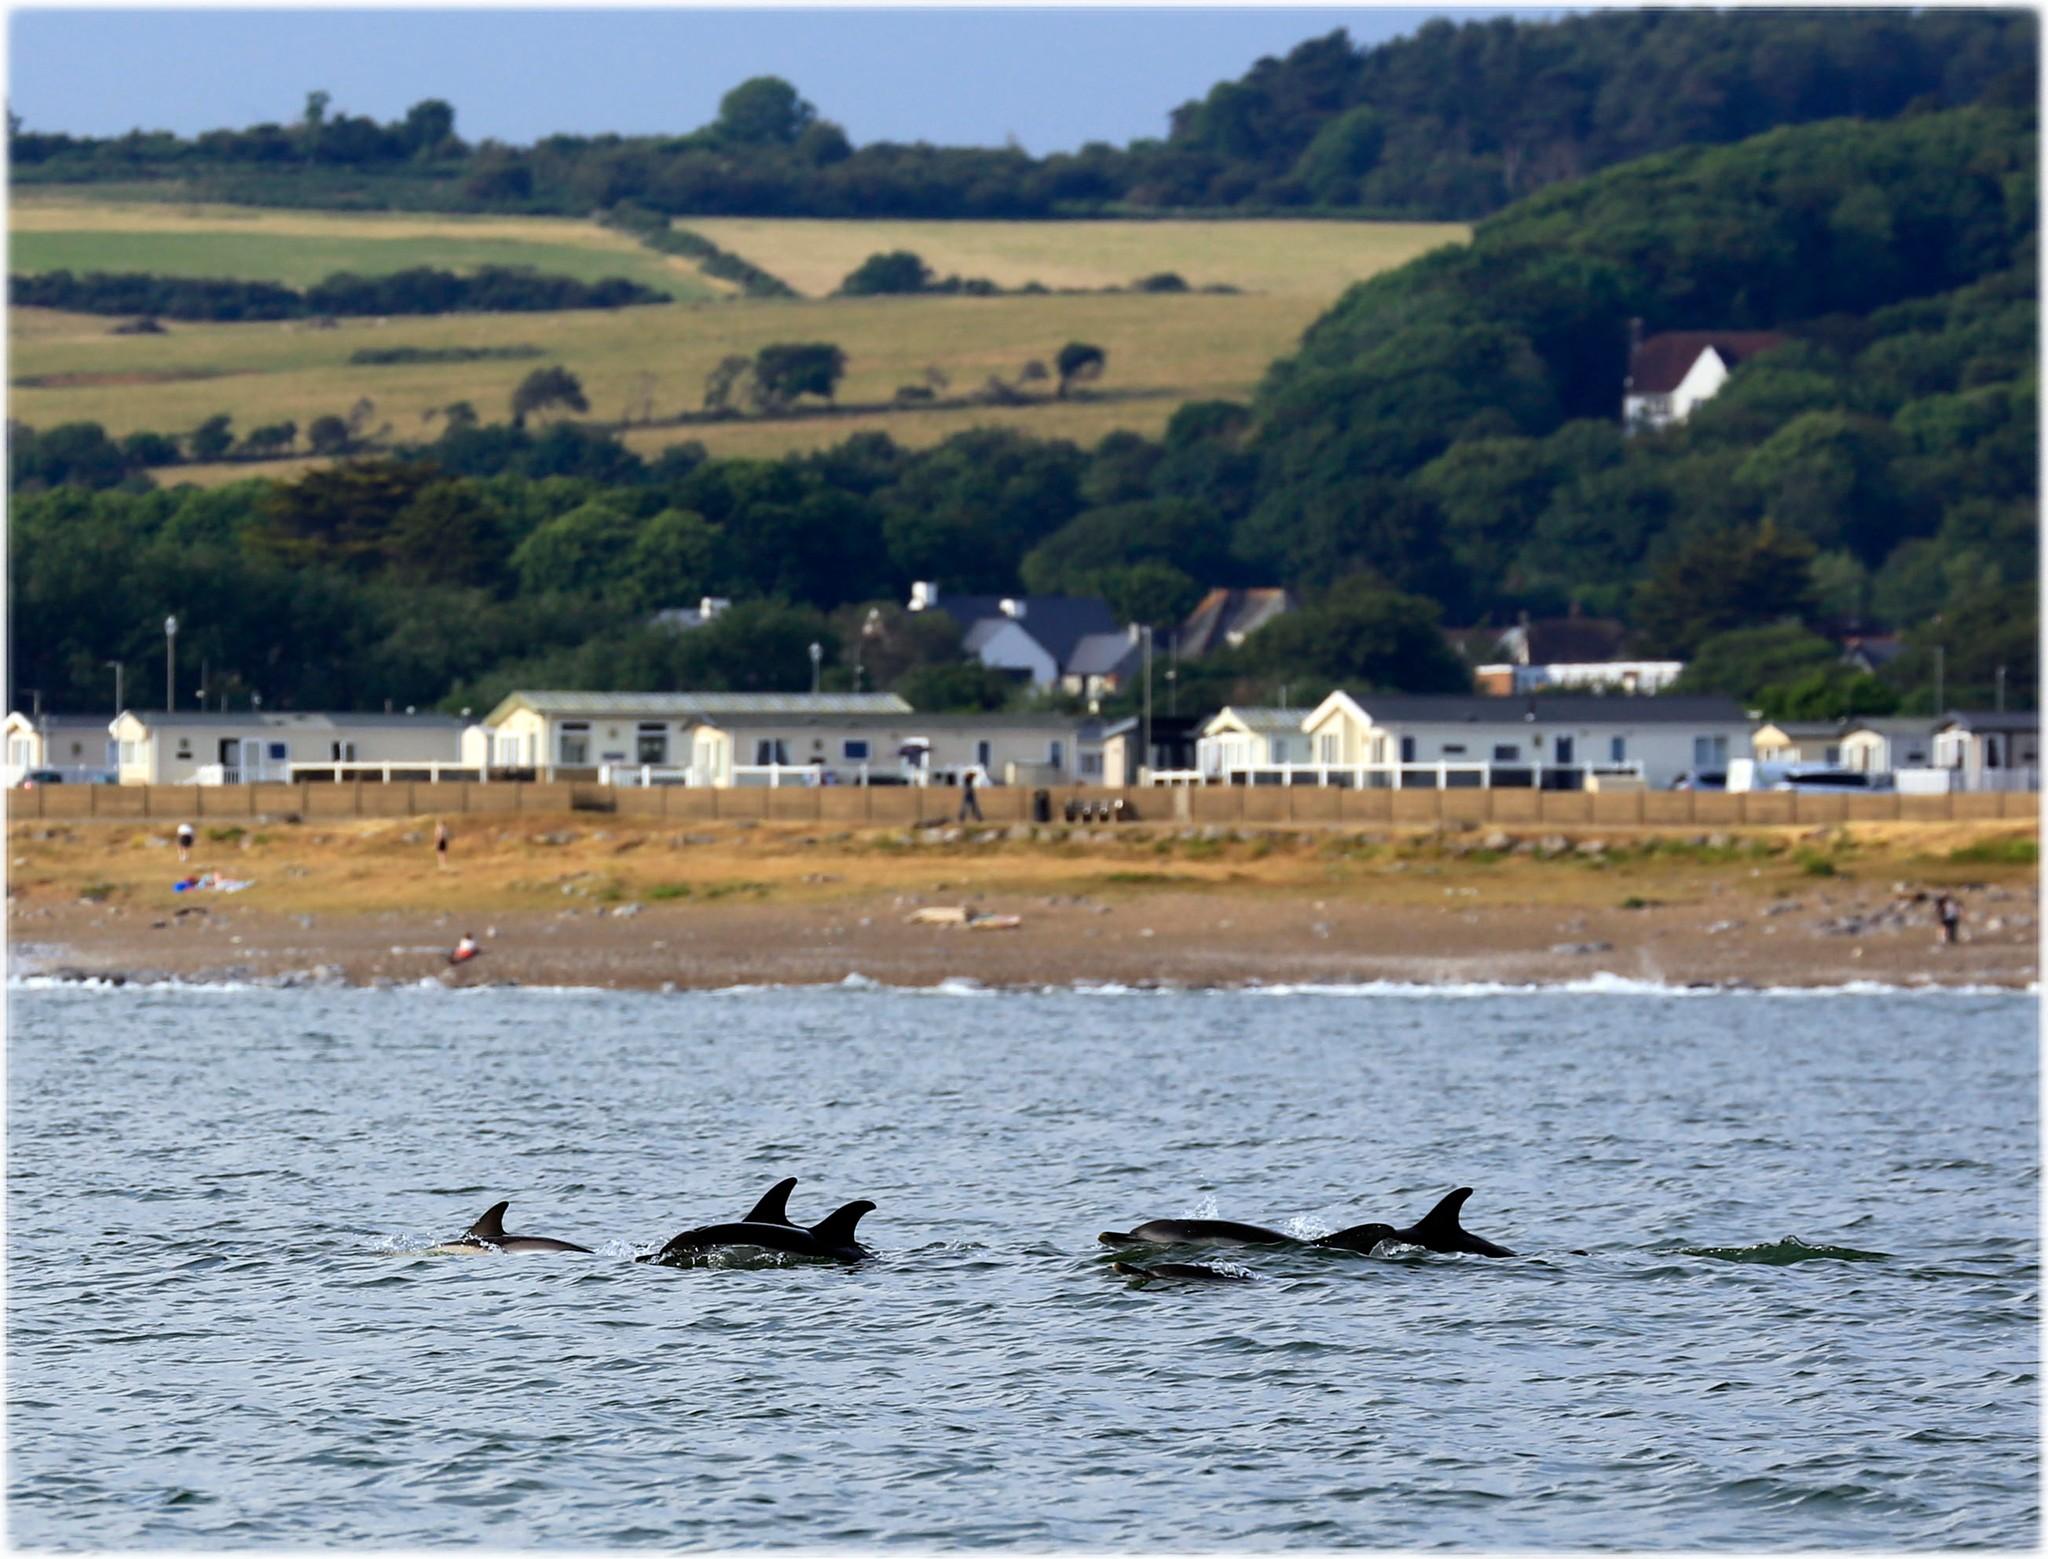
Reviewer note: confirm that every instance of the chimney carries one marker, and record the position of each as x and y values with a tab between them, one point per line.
924	594
1012	607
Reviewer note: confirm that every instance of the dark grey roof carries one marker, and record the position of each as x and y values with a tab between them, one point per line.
1991	720
1057	622
295	719
905	721
1549	709
1103	655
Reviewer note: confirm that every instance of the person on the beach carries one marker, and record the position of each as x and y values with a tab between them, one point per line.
465	950
969	806
184	841
1950	914
441	845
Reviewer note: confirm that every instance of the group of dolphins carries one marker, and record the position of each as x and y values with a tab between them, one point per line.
767	1228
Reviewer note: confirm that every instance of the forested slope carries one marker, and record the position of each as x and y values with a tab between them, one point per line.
1452	123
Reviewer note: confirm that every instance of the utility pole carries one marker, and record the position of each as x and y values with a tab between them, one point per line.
170	664
817	657
1146	761
2001	690
1940	669
118	705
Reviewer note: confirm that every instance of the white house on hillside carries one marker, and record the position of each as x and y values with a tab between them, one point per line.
1036	637
1675	370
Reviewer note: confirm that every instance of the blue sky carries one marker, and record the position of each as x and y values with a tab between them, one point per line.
969	76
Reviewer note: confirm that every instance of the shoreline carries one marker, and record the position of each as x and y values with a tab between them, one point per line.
558	903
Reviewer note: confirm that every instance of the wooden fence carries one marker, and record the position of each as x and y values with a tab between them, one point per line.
1009	804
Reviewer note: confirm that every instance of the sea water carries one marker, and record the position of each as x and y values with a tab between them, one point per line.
1779	1283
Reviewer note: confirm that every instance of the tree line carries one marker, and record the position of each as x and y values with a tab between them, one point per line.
416	290
1452	123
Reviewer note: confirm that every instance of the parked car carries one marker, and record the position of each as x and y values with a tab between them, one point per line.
35	777
1701	779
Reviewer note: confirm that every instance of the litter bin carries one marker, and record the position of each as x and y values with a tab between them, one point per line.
1041	806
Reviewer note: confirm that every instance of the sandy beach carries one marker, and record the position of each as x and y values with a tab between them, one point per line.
569	901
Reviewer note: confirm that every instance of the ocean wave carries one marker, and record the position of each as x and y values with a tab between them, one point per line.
967	986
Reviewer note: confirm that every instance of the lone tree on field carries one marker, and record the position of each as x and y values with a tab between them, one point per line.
718	384
1078	361
898	271
788	369
545	387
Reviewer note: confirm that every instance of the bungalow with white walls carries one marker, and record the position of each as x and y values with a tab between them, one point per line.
1553	742
1234	740
899	747
1883	746
571	735
1990	749
212	747
1815	742
77	749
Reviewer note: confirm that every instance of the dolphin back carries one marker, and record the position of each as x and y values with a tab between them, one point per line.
835	1234
491	1227
1440	1230
1362	1237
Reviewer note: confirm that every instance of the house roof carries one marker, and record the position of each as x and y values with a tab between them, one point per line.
674	705
1891	728
1805	730
52	723
1102	655
1660	362
1057	622
1165	728
907	721
1549	709
1224	617
1261	719
292	720
1551	641
2018	720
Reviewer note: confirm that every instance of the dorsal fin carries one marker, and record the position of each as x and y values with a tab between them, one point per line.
838	1228
1442	1219
774	1207
491	1226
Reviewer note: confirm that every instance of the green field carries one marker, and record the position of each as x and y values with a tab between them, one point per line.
301	248
1163	348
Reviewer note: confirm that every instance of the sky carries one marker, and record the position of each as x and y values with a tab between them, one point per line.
1048	78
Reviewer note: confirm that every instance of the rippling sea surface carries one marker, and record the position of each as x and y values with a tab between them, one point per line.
224	1328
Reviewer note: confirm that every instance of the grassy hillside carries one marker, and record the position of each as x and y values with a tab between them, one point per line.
1162	349
300	248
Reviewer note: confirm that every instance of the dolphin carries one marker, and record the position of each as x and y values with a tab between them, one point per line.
1437	1230
487	1237
831	1240
774	1207
1221	1231
1180	1272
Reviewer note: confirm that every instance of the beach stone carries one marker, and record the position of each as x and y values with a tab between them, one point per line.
626	911
1783	907
1719	841
1553	844
1592	847
1571	949
1497	842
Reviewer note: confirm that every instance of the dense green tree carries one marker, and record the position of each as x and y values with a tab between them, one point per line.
1079	362
898	271
211	439
546	387
763	111
1723	580
786	370
584	550
1359	635
963	687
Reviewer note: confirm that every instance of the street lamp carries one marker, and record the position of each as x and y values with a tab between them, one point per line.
118	705
817	656
870	629
170	664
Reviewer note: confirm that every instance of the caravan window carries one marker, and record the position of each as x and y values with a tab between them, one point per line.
854	749
575	742
278	752
653	743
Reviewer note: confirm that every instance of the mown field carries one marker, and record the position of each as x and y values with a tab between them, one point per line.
1162	348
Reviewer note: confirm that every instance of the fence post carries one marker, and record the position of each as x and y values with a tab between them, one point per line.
199	801
412	798
92	801
145	801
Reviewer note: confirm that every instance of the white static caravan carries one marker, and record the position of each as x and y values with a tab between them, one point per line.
1554	740
903	748
569	735
76	749
1884	746
1234	740
264	747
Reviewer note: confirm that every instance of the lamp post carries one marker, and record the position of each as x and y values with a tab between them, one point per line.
170	664
1146	762
817	657
118	704
870	629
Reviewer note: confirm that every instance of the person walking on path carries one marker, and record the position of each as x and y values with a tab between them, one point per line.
184	841
441	844
969	806
1950	914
